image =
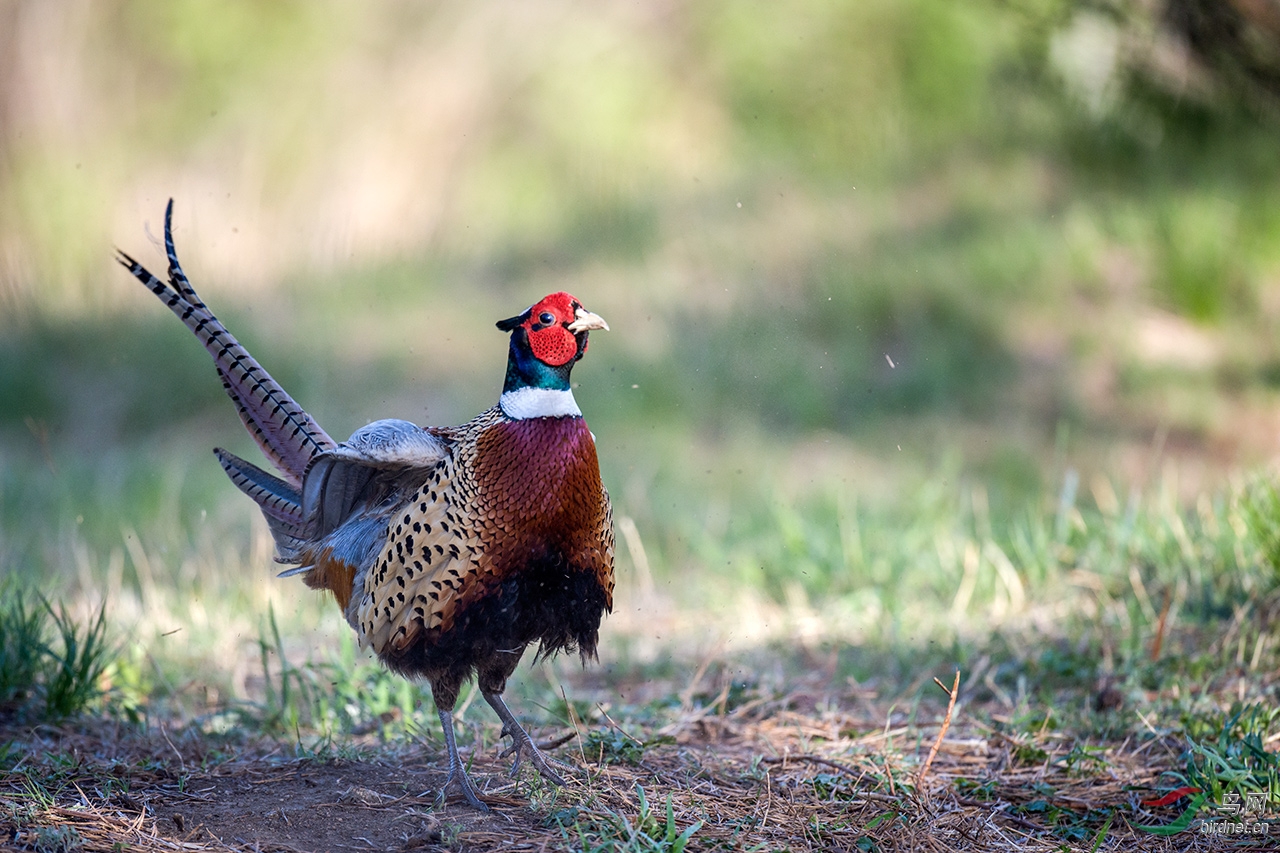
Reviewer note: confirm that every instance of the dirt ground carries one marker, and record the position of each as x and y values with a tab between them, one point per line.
307	805
756	778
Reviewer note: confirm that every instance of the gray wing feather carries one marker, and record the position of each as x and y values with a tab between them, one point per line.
337	479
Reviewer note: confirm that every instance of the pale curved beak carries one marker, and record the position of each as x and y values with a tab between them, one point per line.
585	321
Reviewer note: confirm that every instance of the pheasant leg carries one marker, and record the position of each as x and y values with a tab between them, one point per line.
521	743
457	773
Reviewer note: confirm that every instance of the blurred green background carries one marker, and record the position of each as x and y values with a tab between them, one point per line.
886	277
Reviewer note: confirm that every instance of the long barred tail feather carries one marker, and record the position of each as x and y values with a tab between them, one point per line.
277	498
177	278
287	435
281	504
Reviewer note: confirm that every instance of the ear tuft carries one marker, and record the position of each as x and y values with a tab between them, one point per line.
511	322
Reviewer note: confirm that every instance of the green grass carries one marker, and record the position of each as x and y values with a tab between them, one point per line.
344	694
1235	759
650	831
923	358
22	630
1055	589
51	664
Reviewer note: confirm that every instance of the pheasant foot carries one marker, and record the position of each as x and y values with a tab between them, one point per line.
457	773
521	743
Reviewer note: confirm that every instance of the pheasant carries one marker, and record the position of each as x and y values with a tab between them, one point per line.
449	549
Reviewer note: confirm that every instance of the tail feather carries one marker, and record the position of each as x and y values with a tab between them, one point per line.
177	278
277	498
281	504
287	435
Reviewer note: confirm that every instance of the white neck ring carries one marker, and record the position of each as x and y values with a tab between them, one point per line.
524	403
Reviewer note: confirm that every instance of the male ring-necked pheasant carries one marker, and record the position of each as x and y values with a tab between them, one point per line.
449	549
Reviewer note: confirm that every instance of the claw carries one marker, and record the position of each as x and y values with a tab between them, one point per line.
514	749
521	742
457	773
458	778
515	765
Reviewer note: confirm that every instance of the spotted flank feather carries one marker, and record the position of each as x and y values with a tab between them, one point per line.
513	499
430	557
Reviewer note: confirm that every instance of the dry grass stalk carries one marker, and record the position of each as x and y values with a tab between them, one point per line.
942	733
768	777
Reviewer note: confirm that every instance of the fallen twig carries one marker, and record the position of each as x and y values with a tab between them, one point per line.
946	724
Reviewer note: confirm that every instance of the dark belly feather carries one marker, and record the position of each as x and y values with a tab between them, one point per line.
544	568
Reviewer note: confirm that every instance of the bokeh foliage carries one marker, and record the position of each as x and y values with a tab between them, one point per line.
864	260
933	182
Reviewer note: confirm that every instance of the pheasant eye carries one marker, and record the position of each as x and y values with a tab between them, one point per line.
546	318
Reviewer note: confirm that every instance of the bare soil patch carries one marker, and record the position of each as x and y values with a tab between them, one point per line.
762	777
306	805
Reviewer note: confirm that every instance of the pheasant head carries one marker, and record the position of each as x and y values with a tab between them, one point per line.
546	341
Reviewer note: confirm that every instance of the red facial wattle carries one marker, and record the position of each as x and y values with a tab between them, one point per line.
552	343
